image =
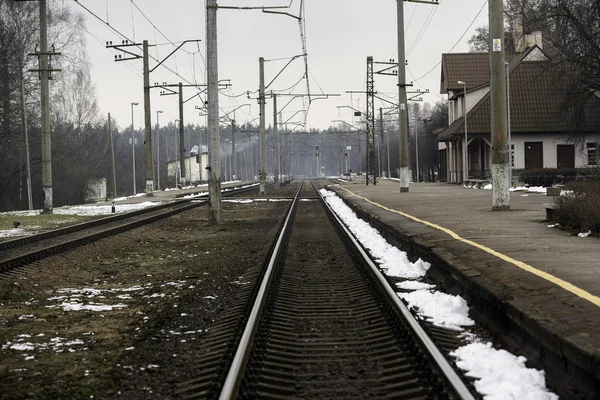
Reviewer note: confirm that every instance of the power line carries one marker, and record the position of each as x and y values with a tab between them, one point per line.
455	44
432	13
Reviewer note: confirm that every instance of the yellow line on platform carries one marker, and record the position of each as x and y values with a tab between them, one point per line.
526	267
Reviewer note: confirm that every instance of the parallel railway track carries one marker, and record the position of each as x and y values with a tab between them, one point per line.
320	321
18	253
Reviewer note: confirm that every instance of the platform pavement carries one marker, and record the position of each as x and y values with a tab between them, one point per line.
538	287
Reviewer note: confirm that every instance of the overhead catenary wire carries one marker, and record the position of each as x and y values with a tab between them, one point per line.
457	42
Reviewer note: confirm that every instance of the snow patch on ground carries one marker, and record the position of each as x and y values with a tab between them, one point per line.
393	261
501	375
441	309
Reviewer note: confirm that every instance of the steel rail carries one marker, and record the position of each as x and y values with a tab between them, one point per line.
176	207
234	375
13	243
435	354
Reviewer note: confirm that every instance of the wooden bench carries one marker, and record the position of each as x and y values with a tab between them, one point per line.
550	207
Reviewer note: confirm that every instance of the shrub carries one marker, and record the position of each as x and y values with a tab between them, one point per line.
579	211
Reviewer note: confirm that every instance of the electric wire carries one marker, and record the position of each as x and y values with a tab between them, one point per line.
423	30
455	44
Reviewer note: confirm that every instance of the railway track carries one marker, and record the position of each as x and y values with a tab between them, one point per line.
320	321
18	253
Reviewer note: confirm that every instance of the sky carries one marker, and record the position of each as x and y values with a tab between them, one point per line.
498	374
340	34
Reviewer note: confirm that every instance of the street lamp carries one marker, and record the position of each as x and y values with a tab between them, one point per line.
133	146
158	150
465	175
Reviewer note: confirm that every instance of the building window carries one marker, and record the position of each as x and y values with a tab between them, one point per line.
592	153
512	156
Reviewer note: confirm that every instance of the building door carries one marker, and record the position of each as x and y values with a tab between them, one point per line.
565	156
534	155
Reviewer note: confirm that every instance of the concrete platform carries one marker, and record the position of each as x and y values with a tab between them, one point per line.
537	288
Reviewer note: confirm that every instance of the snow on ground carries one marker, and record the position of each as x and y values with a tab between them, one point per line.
393	261
439	308
499	374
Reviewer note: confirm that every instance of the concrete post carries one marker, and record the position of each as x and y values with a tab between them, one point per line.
148	125
263	142
212	71
45	99
402	109
500	192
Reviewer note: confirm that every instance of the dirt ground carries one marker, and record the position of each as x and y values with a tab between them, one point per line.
120	318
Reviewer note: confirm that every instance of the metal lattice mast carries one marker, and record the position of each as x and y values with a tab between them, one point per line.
371	160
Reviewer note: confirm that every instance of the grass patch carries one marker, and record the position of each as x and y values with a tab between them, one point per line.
30	224
579	211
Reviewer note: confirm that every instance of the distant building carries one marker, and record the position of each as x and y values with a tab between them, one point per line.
541	132
96	190
195	167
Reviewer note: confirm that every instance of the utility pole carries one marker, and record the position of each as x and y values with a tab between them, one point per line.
112	156
403	109
263	142
499	126
277	165
45	71
181	136
26	134
371	174
148	125
158	150
233	161
382	129
212	72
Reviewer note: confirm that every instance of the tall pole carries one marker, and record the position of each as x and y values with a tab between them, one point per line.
500	192
466	150
148	125
417	149
212	72
233	161
263	142
381	141
181	136
277	165
45	99
510	150
158	150
402	110
112	156
133	147
26	134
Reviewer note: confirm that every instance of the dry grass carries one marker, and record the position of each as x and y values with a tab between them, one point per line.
580	210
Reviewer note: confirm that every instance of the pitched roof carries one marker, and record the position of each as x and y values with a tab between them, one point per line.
471	68
538	94
460	66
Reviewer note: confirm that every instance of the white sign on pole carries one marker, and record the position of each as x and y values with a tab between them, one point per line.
497	44
348	148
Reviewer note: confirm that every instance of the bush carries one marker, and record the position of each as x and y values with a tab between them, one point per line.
580	211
